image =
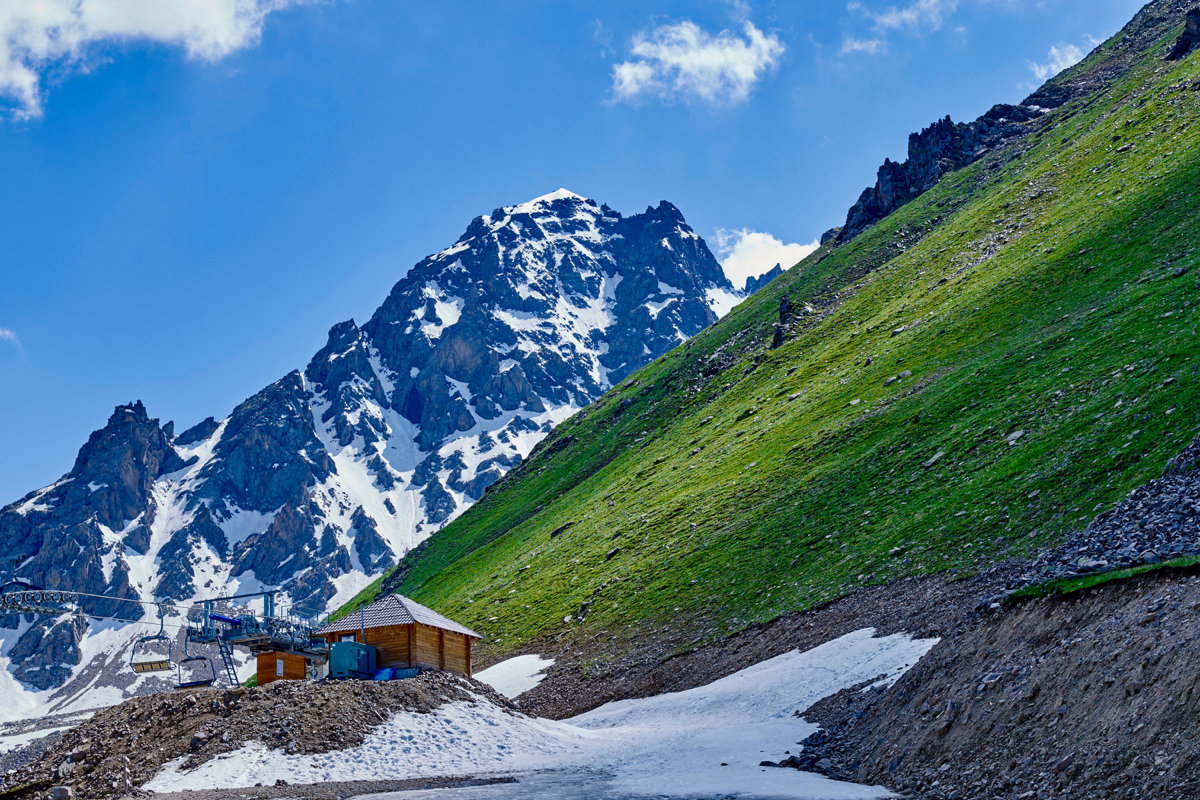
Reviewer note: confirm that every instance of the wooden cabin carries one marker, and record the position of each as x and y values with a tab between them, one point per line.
406	634
281	666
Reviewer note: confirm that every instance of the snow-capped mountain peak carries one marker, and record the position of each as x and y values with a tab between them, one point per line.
326	477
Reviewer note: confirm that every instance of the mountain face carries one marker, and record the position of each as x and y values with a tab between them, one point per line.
329	475
966	383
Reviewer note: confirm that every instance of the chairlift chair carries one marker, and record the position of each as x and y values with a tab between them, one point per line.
202	671
144	661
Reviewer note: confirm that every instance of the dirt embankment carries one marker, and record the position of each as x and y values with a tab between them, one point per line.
1093	695
589	674
139	736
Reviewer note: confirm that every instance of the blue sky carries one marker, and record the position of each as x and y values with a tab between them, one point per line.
195	190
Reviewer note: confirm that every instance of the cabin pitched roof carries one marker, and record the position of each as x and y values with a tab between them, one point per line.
394	609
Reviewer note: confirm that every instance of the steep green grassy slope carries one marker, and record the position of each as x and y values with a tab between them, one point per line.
1041	319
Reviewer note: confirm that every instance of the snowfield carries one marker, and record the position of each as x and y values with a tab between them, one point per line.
517	675
702	742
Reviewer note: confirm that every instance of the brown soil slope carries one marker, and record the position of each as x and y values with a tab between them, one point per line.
1095	694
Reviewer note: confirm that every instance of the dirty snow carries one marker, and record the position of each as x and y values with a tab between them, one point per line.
17	741
672	745
516	675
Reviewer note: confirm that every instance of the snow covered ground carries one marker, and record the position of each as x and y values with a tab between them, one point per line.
17	741
516	675
702	742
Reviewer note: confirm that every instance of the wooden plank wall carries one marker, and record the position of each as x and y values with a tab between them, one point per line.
426	652
392	643
456	658
294	667
416	646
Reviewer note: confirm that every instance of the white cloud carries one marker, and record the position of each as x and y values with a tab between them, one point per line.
869	46
745	253
40	35
1060	57
682	60
738	9
918	18
9	335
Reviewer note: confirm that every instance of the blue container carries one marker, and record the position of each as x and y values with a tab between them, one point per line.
352	660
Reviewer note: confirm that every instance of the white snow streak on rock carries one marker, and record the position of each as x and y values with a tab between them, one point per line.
722	301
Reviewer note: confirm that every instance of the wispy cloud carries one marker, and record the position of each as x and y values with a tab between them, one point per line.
918	18
9	335
869	46
66	35
683	61
1061	56
746	254
738	9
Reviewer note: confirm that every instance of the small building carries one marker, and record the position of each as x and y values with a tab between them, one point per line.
278	665
406	634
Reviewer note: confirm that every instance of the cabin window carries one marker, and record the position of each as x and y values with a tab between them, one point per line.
348	637
279	668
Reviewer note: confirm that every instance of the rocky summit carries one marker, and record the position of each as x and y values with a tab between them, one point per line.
327	476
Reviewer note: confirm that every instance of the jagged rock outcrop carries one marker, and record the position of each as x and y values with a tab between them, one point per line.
1189	38
946	146
43	657
940	148
327	476
753	284
67	534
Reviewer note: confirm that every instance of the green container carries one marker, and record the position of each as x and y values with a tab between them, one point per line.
352	660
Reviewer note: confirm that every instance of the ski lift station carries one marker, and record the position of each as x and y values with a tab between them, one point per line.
392	638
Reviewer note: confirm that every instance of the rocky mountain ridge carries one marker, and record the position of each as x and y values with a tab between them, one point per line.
968	380
754	283
942	147
946	146
328	475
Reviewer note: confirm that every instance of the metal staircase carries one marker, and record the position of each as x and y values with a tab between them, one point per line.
227	660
